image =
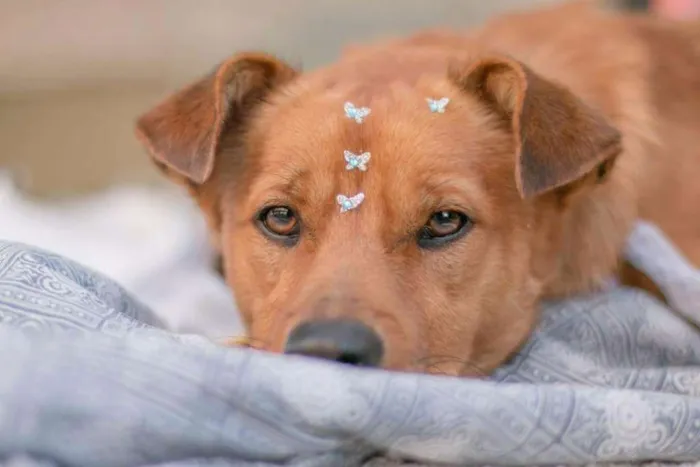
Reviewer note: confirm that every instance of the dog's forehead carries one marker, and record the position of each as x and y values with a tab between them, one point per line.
413	127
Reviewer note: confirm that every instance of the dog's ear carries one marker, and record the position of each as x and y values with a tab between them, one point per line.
559	139
183	132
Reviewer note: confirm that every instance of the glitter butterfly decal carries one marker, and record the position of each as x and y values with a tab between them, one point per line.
438	105
348	203
356	113
357	161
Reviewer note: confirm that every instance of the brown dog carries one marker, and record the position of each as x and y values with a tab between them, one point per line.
563	126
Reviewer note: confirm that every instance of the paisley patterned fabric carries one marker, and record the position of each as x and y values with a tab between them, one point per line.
87	378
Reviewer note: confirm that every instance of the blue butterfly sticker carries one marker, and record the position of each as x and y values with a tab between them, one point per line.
348	203
438	105
357	161
356	113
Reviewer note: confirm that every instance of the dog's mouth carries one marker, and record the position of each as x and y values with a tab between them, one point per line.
450	366
329	351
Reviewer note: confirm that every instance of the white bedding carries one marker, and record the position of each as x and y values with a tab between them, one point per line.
151	241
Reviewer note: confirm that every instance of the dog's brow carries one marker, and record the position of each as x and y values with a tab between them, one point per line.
434	187
464	193
287	181
449	184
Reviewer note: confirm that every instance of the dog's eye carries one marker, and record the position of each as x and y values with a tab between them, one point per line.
443	227
445	223
279	221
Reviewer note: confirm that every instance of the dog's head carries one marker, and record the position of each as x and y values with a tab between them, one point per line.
440	266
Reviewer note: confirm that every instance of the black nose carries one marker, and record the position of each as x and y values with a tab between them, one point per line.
341	340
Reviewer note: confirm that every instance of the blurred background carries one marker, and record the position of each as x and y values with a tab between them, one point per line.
74	74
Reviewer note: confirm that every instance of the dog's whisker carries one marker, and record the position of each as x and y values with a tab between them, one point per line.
240	341
232	341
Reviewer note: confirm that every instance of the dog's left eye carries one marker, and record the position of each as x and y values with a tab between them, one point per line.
443	227
279	222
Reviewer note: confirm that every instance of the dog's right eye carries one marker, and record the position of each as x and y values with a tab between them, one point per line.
444	227
279	222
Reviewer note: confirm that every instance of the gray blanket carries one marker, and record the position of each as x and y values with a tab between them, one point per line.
88	379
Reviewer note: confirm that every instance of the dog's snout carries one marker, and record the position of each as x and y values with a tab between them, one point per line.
341	340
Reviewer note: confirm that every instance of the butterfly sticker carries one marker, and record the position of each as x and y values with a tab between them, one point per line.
356	113
349	203
438	105
357	161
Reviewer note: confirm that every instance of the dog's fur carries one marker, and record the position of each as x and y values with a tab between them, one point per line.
564	126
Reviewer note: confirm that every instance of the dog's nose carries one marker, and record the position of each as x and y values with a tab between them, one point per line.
340	340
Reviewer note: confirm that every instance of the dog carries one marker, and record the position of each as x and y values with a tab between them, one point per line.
408	206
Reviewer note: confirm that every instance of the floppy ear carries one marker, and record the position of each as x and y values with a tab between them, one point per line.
559	139
183	132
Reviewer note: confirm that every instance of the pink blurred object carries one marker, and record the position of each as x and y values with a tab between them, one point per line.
677	9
